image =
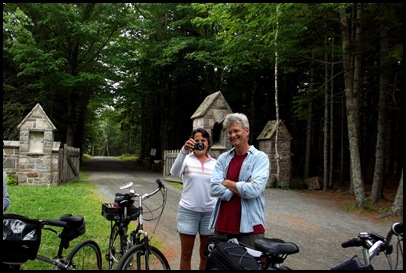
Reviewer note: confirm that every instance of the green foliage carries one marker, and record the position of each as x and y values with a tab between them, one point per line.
280	185
304	98
352	208
61	48
86	157
11	180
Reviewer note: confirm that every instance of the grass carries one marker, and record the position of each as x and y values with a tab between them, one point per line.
128	157
77	198
175	185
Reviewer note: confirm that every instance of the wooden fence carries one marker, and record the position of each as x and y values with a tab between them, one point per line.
69	163
169	159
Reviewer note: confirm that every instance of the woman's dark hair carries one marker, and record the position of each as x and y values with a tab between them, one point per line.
204	133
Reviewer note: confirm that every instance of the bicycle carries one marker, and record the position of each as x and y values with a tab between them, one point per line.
123	246
270	253
22	239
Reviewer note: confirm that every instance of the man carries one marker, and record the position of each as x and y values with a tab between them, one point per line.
238	181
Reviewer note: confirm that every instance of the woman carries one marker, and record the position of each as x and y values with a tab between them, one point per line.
195	166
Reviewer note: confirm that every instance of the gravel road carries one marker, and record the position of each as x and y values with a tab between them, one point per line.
314	224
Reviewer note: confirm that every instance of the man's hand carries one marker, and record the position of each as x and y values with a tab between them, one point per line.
231	185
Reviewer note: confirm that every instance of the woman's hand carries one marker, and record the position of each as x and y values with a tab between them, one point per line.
189	144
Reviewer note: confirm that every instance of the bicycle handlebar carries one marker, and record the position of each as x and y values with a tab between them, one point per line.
352	242
159	182
132	194
160	185
373	242
396	229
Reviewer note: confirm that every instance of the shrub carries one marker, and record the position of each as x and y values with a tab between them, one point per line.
11	180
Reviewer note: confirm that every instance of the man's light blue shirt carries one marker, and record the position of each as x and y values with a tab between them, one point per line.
253	178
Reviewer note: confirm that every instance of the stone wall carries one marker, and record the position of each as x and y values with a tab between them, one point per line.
268	147
30	169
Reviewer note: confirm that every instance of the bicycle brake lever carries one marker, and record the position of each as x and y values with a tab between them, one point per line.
159	182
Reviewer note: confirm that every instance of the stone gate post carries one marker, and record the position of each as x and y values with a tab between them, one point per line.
36	163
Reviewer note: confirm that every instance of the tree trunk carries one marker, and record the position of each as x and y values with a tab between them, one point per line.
308	141
276	102
350	78
342	148
325	125
377	184
331	117
309	125
397	206
71	124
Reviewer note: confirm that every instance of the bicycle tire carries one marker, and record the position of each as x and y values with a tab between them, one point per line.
156	259
117	246
86	255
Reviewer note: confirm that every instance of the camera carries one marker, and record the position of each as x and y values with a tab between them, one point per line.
199	146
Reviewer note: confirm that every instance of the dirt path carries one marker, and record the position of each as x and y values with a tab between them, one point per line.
316	221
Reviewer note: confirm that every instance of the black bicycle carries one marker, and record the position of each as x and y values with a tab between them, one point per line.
22	239
133	250
270	253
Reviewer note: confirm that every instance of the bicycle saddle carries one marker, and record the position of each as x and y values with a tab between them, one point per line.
275	246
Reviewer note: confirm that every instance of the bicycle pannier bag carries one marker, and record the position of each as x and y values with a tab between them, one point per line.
21	238
230	256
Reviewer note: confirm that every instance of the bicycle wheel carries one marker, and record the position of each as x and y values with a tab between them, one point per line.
138	258
117	245
86	255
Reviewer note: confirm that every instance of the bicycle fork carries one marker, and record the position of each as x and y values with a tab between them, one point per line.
143	256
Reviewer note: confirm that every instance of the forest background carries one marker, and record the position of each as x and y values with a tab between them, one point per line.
122	78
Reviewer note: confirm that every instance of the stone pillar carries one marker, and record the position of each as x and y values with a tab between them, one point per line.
36	145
